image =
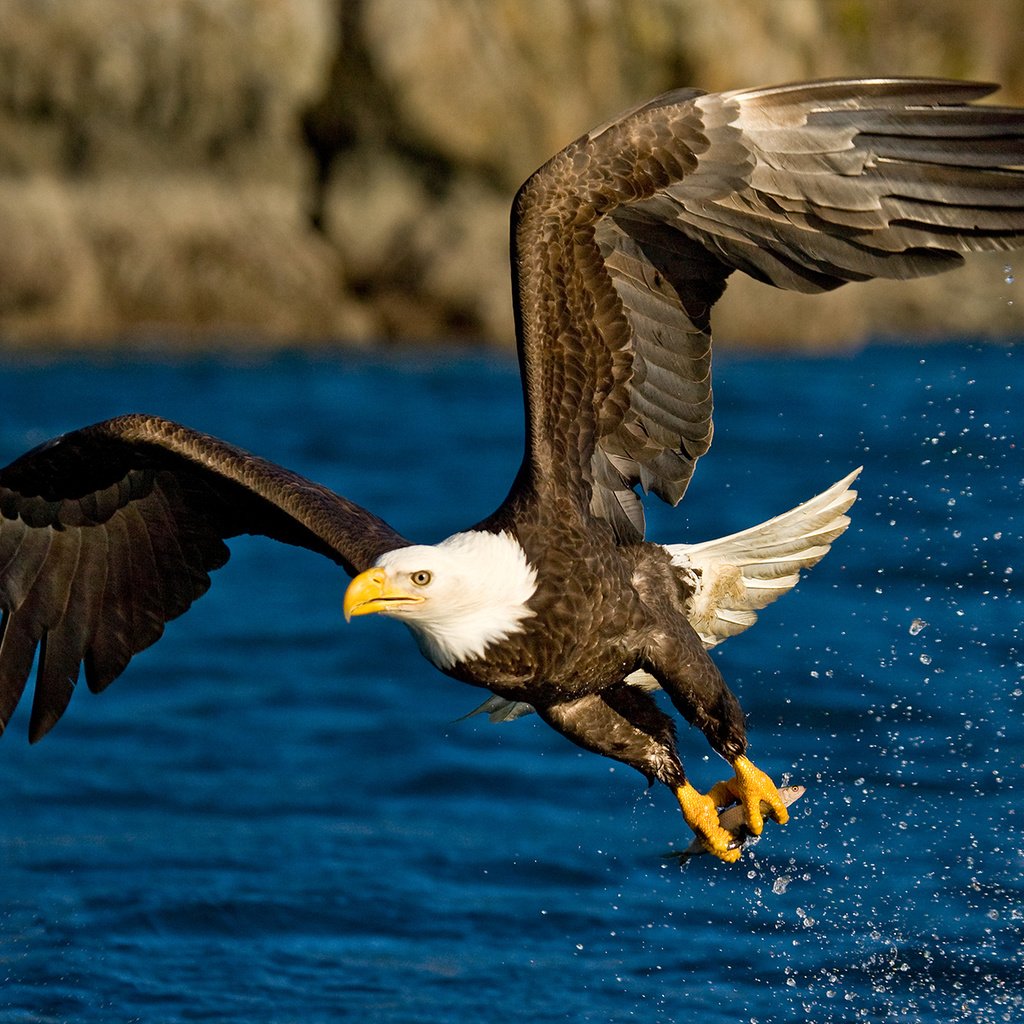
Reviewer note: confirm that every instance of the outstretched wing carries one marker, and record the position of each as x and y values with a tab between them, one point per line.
623	242
109	532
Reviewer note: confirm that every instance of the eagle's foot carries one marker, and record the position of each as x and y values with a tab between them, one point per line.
755	791
701	815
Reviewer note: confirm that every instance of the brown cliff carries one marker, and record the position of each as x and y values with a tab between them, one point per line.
288	171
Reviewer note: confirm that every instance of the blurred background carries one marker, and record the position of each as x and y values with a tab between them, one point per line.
260	173
268	820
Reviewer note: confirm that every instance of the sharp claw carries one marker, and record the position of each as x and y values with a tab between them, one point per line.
754	790
702	816
751	788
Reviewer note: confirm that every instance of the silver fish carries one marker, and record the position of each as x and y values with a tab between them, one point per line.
731	819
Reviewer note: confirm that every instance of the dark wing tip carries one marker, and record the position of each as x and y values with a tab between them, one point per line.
110	531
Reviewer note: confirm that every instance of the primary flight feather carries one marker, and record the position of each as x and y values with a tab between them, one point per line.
621	245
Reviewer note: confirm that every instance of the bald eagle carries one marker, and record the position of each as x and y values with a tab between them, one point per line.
621	245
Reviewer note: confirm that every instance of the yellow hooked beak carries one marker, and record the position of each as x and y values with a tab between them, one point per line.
371	592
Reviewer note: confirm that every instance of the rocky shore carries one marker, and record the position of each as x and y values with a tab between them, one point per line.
283	172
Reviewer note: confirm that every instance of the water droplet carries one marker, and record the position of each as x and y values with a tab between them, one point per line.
926	659
916	626
780	884
1008	274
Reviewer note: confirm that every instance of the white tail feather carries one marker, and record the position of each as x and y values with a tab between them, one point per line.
736	576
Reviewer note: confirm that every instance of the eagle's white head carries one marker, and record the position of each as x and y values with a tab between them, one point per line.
457	597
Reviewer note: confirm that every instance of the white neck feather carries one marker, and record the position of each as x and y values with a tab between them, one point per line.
478	596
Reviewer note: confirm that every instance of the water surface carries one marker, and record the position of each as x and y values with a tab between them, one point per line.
277	817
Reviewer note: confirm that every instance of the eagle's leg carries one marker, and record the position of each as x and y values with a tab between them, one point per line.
696	687
624	723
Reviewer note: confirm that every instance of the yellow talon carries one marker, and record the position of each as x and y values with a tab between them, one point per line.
702	816
752	788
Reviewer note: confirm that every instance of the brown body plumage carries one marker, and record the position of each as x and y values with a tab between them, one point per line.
622	243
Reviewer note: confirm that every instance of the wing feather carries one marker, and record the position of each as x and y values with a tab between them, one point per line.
110	649
110	532
17	651
623	242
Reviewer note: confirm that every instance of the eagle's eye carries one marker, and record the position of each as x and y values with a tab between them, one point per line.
421	578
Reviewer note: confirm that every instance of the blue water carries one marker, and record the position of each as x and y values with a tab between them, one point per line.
276	817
